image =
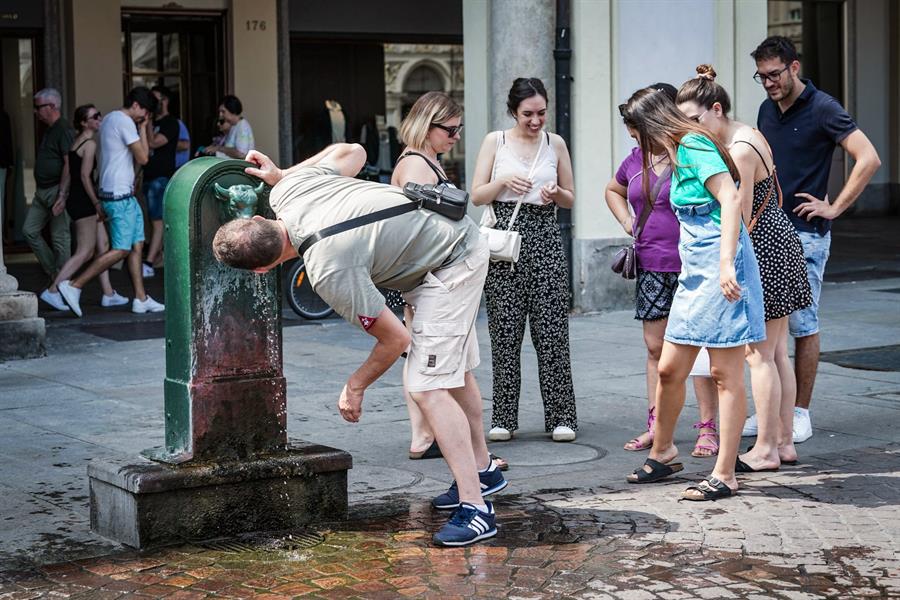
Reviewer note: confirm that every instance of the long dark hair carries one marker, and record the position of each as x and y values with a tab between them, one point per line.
79	119
660	124
524	88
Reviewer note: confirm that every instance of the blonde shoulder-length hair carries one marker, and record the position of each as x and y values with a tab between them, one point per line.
430	109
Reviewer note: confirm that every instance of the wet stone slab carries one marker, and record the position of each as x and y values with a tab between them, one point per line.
807	533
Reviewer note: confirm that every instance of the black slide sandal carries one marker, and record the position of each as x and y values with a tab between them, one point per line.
710	489
657	471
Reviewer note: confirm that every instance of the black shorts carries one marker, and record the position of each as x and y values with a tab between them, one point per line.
653	294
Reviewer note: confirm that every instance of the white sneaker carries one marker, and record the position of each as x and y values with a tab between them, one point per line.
563	434
71	295
751	427
802	425
499	434
54	299
114	300
145	306
148	271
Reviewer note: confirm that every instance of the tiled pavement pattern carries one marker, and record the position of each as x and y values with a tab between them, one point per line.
828	528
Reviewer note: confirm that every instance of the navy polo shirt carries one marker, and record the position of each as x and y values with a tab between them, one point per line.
803	140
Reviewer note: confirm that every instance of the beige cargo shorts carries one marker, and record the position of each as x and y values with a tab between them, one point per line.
444	343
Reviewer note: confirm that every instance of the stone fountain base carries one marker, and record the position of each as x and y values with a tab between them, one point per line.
143	503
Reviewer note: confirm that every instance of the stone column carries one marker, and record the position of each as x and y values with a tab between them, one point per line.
522	33
22	332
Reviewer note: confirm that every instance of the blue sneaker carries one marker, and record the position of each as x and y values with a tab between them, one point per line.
491	482
467	526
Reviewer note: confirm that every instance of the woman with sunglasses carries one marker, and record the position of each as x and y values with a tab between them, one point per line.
84	207
656	250
781	264
718	303
527	165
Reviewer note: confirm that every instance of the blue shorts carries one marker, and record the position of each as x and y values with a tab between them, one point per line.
154	191
816	249
125	221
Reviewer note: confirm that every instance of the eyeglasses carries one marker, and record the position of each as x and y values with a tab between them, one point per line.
696	118
38	107
451	131
96	116
772	76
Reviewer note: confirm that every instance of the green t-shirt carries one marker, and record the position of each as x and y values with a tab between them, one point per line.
48	164
697	160
394	253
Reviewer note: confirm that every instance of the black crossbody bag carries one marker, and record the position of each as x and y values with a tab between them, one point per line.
441	198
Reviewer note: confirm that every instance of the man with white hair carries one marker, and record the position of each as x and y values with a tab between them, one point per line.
51	176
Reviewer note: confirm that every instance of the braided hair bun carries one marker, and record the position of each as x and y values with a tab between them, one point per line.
706	72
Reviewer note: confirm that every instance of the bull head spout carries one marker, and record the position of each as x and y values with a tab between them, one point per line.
240	201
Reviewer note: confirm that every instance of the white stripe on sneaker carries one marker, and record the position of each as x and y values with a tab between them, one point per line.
478	525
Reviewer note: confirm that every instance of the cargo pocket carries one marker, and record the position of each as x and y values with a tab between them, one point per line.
439	346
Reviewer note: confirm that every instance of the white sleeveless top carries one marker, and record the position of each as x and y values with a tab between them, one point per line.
507	163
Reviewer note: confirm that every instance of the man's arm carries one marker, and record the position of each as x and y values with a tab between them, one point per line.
393	339
861	150
141	148
65	180
348	159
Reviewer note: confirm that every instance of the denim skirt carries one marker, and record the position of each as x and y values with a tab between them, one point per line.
700	313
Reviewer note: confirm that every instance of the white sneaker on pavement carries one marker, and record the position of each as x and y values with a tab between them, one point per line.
54	299
148	271
751	427
71	295
499	434
145	306
114	300
563	434
802	425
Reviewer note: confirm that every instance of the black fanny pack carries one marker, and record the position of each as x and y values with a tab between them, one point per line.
441	198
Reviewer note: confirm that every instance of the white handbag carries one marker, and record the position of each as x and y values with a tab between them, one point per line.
505	244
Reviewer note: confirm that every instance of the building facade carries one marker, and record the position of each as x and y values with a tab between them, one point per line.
284	57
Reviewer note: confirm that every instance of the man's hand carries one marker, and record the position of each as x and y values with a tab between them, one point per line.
59	206
267	170
813	207
350	404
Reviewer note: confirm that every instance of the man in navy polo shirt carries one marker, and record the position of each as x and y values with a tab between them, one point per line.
804	126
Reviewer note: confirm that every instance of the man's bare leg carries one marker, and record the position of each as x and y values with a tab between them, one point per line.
806	363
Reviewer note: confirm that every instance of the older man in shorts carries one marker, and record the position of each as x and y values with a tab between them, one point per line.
440	266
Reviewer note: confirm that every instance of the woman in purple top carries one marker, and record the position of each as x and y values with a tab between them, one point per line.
656	249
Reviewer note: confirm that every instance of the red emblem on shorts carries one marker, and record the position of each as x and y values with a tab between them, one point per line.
366	321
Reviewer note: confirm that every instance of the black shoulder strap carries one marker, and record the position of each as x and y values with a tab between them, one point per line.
378	215
441	177
758	153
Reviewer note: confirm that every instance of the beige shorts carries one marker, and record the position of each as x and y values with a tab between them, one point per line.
444	343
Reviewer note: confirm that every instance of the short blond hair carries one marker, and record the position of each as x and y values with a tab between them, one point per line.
430	109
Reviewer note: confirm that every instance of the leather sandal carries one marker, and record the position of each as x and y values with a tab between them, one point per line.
708	489
433	451
657	471
742	467
711	443
784	462
636	445
501	463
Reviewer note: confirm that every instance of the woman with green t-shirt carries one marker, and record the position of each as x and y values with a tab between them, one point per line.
718	304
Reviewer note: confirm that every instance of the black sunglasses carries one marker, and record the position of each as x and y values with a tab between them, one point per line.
96	116
451	131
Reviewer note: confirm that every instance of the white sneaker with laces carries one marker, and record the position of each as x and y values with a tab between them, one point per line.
71	294
54	299
802	425
148	271
563	434
499	434
751	427
114	300
145	306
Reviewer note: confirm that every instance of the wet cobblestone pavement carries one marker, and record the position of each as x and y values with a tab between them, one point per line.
828	528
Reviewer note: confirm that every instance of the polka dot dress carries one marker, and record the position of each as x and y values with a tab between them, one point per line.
779	253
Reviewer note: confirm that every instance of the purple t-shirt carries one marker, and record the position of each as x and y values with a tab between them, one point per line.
657	248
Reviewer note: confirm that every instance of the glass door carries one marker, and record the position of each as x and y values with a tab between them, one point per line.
185	53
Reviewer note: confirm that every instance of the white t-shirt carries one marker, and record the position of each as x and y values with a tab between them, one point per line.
117	131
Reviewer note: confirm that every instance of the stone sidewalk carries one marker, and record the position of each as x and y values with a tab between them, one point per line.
570	526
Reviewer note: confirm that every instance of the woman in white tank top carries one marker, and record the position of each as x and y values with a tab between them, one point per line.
529	165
